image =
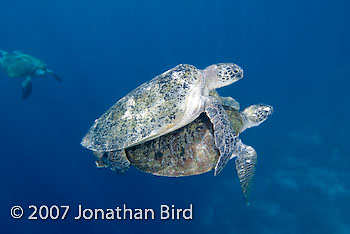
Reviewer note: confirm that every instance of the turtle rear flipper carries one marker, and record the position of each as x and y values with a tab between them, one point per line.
245	165
99	162
224	135
26	87
54	75
117	160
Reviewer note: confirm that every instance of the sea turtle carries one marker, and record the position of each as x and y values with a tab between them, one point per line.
20	65
165	104
191	150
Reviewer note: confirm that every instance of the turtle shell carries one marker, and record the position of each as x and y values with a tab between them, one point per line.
151	110
20	65
187	151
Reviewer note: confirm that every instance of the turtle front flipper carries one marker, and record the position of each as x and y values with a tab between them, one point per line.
117	160
230	102
224	135
225	101
54	75
245	165
26	87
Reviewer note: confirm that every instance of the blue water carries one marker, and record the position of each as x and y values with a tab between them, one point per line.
295	55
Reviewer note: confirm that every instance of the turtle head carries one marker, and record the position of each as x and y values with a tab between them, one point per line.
222	74
40	72
256	114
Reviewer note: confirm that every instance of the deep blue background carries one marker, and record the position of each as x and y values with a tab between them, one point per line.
296	57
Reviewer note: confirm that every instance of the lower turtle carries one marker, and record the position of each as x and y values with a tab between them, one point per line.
191	150
20	65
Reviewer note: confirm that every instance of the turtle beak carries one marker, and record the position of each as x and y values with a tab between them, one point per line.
238	73
268	109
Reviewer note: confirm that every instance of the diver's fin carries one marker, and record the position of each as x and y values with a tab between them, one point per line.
26	87
54	75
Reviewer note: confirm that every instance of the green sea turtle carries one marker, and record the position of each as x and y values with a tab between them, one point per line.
191	150
165	104
20	65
